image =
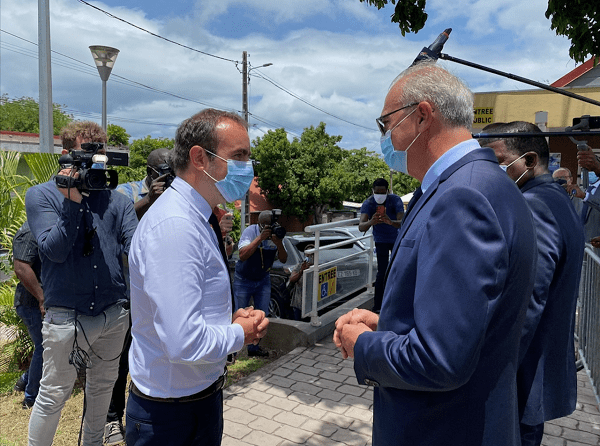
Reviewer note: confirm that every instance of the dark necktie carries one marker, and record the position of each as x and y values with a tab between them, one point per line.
585	208
215	225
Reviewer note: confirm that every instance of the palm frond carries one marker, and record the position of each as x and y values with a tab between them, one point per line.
42	165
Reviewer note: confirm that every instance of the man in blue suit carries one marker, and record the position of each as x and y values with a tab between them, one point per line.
443	354
546	380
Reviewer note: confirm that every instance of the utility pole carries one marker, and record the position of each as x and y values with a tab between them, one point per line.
245	208
45	78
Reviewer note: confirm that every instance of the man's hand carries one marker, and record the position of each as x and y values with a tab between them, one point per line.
157	187
226	223
265	233
71	193
376	219
595	242
357	317
573	189
253	322
385	219
587	160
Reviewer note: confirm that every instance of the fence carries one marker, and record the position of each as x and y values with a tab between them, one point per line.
323	292
587	327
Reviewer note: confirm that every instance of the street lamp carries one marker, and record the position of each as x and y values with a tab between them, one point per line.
105	58
245	79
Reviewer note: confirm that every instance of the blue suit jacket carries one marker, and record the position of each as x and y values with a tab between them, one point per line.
444	356
547	381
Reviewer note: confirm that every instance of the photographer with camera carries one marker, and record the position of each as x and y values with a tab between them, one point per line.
260	244
145	192
81	229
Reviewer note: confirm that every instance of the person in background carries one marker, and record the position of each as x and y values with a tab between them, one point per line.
564	174
259	248
547	376
383	212
295	281
81	235
29	304
442	355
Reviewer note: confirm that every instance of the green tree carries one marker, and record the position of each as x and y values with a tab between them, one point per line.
295	175
117	135
578	20
359	168
23	115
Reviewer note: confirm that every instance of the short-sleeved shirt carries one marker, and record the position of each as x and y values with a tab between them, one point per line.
383	233
257	266
135	190
25	249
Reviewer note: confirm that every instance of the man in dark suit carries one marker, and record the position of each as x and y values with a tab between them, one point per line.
443	354
546	380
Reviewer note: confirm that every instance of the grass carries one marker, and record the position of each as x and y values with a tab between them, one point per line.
14	421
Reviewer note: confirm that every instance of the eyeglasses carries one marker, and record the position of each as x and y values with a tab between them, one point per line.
379	120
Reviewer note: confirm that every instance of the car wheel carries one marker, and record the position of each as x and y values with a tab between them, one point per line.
277	305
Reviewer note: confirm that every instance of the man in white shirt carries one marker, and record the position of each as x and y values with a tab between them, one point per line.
181	307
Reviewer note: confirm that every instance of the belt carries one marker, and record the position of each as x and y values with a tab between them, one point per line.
210	390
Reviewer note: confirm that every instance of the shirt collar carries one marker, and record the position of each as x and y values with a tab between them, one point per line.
446	160
192	196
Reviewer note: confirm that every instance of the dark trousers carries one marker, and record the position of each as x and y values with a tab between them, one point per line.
150	423
117	400
383	251
531	435
32	317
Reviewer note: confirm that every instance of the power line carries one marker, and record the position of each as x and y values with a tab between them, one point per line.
157	35
285	90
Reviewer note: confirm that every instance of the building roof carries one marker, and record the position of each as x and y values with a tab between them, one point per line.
575	74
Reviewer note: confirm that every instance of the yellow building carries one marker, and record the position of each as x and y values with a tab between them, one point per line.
550	111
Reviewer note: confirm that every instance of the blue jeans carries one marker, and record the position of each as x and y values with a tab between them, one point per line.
383	251
32	317
151	423
101	337
260	290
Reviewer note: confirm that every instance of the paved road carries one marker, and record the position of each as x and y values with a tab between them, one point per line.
310	397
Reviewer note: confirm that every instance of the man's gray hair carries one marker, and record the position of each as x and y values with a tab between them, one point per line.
199	130
429	82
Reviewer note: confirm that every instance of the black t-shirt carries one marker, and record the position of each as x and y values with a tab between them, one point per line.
25	249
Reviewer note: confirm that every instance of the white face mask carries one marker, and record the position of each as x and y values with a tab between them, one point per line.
505	167
379	198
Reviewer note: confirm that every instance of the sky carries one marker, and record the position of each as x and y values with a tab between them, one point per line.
332	60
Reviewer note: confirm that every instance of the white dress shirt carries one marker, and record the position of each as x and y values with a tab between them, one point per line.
180	298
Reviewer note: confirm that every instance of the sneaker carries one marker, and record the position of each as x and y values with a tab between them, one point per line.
114	433
258	351
20	385
27	404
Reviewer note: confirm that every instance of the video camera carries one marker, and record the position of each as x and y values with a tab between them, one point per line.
276	228
91	167
165	169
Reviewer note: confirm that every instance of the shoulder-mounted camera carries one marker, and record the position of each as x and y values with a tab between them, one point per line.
91	167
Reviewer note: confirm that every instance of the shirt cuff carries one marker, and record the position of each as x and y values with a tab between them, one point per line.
239	337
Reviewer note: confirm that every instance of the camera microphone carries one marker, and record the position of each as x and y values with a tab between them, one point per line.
435	49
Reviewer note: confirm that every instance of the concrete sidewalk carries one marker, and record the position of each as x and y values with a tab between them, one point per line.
310	397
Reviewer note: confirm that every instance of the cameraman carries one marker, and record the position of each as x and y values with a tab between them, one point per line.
145	192
80	235
258	250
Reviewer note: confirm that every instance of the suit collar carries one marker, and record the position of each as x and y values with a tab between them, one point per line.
542	179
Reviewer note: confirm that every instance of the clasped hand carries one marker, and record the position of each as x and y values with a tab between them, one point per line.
254	322
350	326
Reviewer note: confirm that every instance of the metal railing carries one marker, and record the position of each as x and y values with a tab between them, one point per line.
587	325
314	295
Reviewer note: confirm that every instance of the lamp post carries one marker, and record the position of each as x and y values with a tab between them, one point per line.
105	58
245	79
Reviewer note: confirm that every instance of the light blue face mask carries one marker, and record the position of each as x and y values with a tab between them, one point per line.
237	181
395	159
592	177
